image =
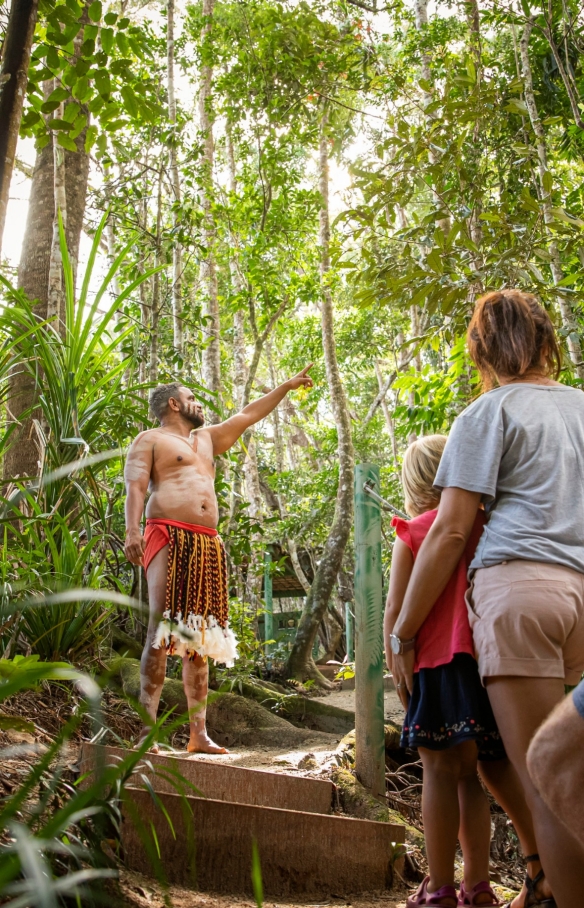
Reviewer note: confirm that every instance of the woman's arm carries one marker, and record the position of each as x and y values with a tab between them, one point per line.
402	563
439	554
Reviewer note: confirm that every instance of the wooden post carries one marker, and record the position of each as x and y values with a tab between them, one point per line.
268	602
369	724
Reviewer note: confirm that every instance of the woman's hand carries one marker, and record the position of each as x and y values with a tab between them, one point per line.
403	676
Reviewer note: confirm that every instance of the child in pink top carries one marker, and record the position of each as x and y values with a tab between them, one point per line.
448	716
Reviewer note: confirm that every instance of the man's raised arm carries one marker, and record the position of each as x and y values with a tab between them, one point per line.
137	476
226	433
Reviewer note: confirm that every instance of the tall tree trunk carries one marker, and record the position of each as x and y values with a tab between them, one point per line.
13	80
177	324
544	177
155	314
301	664
22	458
55	300
280	465
212	329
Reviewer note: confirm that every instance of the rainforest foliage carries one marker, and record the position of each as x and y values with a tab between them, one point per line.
267	184
262	185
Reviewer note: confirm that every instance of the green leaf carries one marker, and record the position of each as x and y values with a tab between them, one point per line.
90	138
130	100
568	281
256	875
123	44
78	126
515	105
55	98
53	59
66	142
94	11
102	82
58	124
16	723
71	112
90	32
82	89
110	18
548	182
434	260
107	39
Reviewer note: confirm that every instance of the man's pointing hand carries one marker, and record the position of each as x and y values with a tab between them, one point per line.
302	380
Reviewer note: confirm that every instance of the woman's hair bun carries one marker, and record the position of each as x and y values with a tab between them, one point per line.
511	333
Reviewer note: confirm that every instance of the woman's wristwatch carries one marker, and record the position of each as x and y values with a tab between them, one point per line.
399	646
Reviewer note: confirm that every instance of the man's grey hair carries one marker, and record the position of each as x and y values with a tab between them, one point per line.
160	396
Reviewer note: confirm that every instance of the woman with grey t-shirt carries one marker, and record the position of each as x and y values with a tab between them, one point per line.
518	449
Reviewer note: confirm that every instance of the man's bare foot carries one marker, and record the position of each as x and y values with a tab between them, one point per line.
201	744
153	749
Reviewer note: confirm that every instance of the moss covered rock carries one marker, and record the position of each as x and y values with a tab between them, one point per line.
357	802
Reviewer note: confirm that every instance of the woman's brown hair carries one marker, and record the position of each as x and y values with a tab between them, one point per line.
509	334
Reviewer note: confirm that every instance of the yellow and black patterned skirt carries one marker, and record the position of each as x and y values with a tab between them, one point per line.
195	620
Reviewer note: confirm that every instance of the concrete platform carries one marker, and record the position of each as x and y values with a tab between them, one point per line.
208	844
222	781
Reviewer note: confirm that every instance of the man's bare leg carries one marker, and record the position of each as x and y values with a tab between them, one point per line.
153	661
196	685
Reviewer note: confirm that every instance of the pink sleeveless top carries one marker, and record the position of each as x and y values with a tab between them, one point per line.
446	630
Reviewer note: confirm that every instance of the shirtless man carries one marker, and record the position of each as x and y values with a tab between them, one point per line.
180	550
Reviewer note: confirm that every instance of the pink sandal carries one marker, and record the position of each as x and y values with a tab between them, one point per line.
468	898
423	898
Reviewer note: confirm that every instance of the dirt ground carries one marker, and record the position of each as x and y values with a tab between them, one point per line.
313	759
142	892
393	709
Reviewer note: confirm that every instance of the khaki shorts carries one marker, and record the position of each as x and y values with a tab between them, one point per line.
527	619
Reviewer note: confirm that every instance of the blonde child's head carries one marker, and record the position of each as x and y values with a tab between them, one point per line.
419	472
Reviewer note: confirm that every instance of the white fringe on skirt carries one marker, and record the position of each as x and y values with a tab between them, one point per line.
199	635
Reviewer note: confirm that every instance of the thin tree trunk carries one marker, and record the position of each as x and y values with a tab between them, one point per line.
212	328
155	313
109	230
567	316
13	80
421	15
301	664
280	465
177	323
55	299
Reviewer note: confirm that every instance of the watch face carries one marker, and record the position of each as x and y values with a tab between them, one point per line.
395	644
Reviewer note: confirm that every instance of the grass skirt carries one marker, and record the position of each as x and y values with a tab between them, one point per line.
195	620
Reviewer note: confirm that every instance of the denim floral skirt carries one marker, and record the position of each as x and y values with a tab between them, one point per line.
450	705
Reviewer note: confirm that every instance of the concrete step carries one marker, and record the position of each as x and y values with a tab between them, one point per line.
206	844
222	781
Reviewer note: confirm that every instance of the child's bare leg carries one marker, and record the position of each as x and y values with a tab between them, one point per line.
475	823
196	685
441	814
503	782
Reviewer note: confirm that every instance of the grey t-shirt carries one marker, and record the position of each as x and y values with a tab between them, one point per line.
522	447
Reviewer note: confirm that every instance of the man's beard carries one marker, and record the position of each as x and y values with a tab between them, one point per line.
195	418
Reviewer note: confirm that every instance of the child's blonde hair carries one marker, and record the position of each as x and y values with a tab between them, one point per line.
419	472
